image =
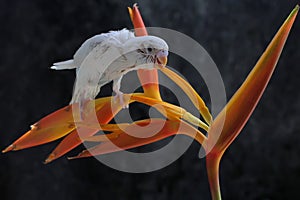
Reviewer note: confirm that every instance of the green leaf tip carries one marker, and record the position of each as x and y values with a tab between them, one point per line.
294	11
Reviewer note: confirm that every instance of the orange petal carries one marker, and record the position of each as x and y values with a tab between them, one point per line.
103	137
105	114
170	111
137	21
125	141
238	110
148	78
244	101
48	129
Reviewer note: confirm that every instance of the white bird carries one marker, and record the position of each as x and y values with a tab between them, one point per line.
109	56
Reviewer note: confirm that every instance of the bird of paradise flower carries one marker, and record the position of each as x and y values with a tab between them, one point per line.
221	131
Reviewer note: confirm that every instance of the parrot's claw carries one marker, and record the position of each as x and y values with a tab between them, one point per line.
119	96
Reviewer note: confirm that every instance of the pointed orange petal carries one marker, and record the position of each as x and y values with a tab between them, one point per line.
244	101
148	78
238	110
105	112
125	141
73	140
48	129
104	127
52	127
137	21
103	137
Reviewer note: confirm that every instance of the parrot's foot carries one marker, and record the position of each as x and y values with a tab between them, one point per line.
119	96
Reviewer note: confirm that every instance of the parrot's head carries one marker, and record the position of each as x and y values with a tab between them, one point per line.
151	50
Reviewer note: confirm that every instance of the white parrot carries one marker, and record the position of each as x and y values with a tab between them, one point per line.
109	56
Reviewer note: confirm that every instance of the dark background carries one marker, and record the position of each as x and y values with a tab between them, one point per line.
263	162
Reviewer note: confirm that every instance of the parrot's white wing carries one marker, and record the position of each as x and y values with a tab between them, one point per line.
118	36
91	74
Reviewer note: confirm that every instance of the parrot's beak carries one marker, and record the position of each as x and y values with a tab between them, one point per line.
162	58
162	61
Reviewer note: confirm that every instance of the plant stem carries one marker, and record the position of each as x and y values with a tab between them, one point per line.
212	167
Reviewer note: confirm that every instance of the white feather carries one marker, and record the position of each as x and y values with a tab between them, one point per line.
69	64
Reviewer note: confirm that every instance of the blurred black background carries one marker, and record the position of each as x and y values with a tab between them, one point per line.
263	162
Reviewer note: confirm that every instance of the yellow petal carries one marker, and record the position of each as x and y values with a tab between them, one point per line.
191	93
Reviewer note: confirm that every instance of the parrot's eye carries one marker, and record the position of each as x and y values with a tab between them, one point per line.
149	49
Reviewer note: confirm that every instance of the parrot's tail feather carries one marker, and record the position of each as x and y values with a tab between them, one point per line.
69	64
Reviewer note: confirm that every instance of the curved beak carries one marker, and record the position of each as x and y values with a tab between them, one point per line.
162	61
162	58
